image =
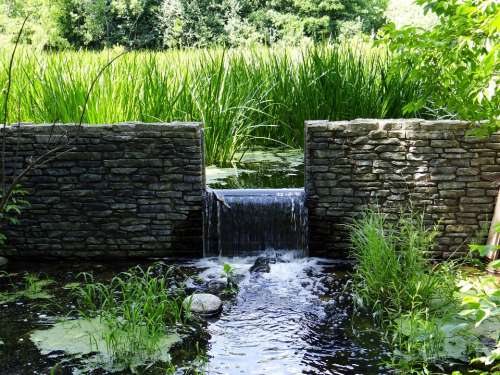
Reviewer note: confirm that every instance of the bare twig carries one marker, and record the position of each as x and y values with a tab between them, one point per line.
50	153
6	103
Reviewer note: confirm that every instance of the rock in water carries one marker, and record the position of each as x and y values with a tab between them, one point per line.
261	265
216	286
204	304
3	261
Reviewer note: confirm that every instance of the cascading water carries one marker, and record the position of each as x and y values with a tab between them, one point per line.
241	222
293	319
290	315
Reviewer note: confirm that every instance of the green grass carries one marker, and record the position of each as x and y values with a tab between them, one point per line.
432	315
395	281
138	309
244	96
393	274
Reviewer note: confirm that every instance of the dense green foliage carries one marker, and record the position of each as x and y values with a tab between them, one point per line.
457	61
244	97
169	23
431	314
392	273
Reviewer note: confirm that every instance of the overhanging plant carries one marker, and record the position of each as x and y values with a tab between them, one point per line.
456	63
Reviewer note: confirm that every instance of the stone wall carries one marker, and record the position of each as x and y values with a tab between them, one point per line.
453	178
121	190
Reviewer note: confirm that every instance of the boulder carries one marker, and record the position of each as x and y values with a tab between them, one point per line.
3	261
261	265
216	286
204	304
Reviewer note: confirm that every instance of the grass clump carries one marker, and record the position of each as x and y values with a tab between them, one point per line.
434	316
139	309
393	274
408	296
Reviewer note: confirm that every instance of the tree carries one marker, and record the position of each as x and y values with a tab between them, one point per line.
456	62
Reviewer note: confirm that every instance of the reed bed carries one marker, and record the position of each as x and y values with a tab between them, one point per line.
245	97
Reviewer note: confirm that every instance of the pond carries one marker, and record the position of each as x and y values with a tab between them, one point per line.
294	319
270	168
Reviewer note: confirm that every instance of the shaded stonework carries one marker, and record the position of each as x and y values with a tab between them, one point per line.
122	190
434	165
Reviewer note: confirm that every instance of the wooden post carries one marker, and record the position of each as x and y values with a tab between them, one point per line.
494	235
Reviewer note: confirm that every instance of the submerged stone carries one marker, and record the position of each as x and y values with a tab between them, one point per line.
216	286
3	261
204	304
261	265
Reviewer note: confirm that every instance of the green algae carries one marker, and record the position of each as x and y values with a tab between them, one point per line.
33	288
271	168
86	340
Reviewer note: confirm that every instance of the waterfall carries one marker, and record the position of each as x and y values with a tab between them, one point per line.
240	222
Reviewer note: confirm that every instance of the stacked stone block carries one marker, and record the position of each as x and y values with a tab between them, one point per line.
119	190
428	166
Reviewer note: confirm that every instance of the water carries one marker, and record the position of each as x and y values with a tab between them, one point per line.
296	319
293	320
272	168
247	221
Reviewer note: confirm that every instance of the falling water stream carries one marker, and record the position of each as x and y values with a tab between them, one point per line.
248	221
293	316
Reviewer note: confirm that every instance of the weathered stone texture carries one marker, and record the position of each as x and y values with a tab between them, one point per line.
450	176
128	189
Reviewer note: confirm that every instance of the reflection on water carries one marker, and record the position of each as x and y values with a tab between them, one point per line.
291	320
260	169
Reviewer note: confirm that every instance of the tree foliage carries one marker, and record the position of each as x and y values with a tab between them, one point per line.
180	23
456	62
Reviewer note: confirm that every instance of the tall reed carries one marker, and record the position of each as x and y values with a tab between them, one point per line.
245	97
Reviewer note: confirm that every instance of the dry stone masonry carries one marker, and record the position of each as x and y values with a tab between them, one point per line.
122	190
434	165
137	189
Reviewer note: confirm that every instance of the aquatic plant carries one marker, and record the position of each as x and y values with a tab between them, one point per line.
415	302
231	283
245	97
395	281
481	303
393	273
138	309
32	287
